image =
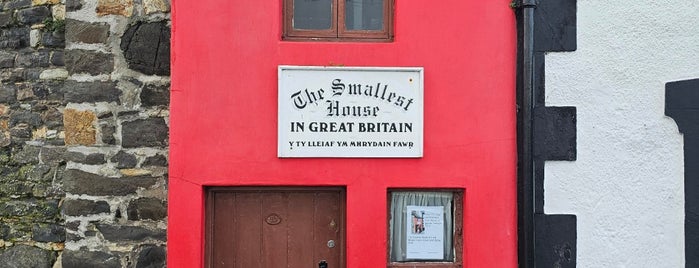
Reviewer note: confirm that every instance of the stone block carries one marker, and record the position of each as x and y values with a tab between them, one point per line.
56	142
79	129
74	5
39	172
555	133
153	95
57	58
147	209
48	233
73	225
33	59
8	93
25	92
121	233
18	232
44	2
85	32
81	207
52	155
13	43
54	74
20	133
70	237
95	159
84	258
90	62
4	110
31	209
108	132
26	256
150	256
146	47
32	74
114	7
9	76
132	133
106	115
53	118
31	91
124	160
39	133
5	18
7	59
89	159
135	172
29	16
81	182
16	4
34	37
153	6
15	189
51	91
58	12
156	160
4	231
53	40
79	92
28	155
26	117
558	26
14	38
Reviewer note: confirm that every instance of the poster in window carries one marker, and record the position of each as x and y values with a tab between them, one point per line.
425	233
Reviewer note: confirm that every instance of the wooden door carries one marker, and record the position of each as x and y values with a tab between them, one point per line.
275	227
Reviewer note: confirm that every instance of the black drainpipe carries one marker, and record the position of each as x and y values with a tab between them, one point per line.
543	133
525	91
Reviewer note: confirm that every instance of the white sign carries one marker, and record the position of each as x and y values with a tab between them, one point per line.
350	112
425	233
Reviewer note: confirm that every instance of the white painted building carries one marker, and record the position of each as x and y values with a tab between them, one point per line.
627	185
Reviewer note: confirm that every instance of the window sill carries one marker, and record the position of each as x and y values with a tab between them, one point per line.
424	265
335	39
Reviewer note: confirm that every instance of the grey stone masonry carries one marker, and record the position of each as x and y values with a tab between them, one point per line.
32	229
84	95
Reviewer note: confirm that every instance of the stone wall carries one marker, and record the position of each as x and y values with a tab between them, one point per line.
84	128
32	72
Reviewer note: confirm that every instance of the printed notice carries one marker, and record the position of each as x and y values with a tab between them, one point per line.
350	112
425	233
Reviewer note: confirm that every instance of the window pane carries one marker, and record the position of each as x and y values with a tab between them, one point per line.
421	226
364	14
312	14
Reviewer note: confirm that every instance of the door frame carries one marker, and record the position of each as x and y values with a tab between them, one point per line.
209	220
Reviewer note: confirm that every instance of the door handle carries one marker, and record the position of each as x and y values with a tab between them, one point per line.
323	264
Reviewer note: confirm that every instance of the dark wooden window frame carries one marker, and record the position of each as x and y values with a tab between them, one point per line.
458	244
337	31
209	207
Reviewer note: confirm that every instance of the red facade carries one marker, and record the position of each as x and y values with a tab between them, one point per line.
224	120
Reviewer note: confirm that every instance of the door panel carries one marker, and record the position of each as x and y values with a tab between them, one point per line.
275	228
299	243
272	242
246	234
326	228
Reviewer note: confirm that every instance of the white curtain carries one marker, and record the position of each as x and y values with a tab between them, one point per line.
398	225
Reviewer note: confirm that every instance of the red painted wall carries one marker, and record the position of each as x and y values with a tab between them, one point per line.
224	112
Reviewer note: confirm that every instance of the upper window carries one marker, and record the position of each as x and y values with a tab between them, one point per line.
369	20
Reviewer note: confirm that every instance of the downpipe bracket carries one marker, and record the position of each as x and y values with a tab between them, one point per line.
521	4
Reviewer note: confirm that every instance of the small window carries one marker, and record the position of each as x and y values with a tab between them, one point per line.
334	20
425	228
